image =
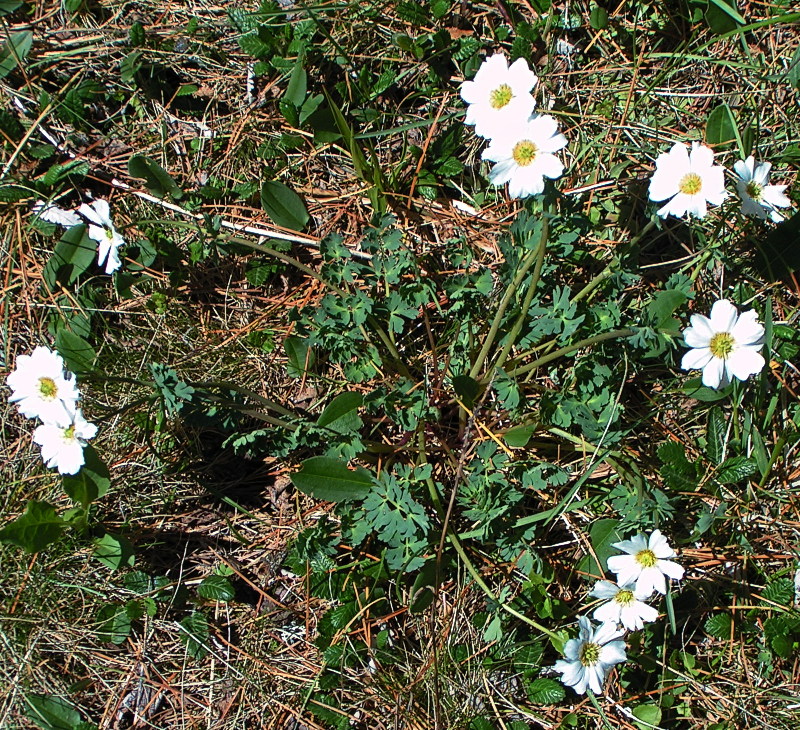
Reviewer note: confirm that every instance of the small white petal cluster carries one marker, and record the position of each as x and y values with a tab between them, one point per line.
759	198
101	228
688	180
521	143
640	571
725	345
43	389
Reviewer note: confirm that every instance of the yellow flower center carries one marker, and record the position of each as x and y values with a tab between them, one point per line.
501	96
524	152
646	558
690	184
625	598
48	388
589	655
754	190
69	433
109	233
721	345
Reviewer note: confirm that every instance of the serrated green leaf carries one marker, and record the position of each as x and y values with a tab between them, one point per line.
325	478
720	126
195	634
780	591
35	529
91	482
14	50
49	712
114	551
284	206
341	414
216	588
719	625
78	354
157	180
715	434
544	691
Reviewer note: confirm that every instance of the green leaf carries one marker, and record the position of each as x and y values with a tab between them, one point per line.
296	89
722	16
35	529
341	414
467	389
678	472
598	18
72	256
720	126
14	50
113	624
157	180
9	6
793	72
778	253
299	355
719	625
114	551
649	714
284	206
519	436
195	634
663	307
50	712
715	434
330	479
602	534
216	588
78	354
91	482
736	469
544	691
780	591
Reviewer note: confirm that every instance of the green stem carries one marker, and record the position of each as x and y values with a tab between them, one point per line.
459	548
588	342
530	259
526	304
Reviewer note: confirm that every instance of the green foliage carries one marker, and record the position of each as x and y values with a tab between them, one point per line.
283	205
194	634
158	181
14	51
50	712
35	529
330	479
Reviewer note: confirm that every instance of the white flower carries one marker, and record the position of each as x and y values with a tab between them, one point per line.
499	95
688	179
102	230
524	156
645	563
590	656
758	198
725	345
42	389
623	605
53	214
62	447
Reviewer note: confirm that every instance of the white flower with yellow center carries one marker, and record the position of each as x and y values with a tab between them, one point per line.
590	657
62	447
102	230
41	388
759	199
524	156
645	563
688	181
623	605
499	95
725	345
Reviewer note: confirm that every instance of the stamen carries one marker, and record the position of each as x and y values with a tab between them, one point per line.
501	96
589	654
525	152
690	184
721	345
646	558
48	388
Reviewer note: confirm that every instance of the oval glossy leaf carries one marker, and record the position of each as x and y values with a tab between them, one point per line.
216	588
14	50
78	354
296	90
157	180
195	634
35	529
114	551
113	624
720	126
341	414
284	206
330	479
73	255
51	713
91	482
519	436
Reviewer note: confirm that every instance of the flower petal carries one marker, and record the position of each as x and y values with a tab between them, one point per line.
744	362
